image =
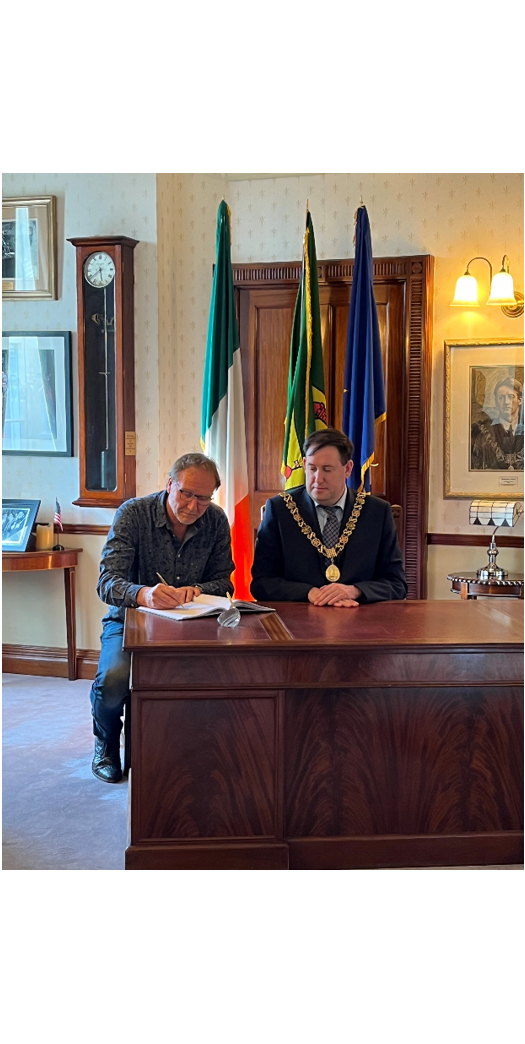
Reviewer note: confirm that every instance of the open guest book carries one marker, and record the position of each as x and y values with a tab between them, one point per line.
206	605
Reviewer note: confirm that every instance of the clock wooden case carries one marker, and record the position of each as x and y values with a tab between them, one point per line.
106	370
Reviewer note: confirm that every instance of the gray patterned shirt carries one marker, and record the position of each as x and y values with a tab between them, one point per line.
142	542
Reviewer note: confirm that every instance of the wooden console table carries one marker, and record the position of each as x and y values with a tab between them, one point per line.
327	739
20	562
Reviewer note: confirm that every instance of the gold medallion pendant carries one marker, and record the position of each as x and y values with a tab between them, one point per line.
332	573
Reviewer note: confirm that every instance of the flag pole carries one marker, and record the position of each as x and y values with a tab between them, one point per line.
303	259
361	204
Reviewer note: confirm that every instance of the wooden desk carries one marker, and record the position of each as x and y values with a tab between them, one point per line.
20	562
384	736
468	586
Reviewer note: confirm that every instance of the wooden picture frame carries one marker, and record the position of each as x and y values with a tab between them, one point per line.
18	519
37	407
29	248
483	457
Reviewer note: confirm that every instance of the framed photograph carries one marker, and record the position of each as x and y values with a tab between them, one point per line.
29	261
18	519
36	394
483	444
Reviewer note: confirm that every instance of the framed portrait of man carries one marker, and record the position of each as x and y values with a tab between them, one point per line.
496	418
483	436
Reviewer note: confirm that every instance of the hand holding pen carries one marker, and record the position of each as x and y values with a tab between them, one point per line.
165	596
184	594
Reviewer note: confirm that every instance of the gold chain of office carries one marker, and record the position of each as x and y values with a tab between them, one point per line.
332	572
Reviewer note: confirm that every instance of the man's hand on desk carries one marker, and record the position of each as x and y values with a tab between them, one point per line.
342	596
164	597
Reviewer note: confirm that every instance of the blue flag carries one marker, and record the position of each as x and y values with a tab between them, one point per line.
364	390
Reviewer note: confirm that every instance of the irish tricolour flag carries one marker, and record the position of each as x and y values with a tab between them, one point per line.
223	435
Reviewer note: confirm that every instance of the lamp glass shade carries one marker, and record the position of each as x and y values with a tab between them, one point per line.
494	512
502	289
466	292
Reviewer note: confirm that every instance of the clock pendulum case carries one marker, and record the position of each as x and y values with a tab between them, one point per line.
106	368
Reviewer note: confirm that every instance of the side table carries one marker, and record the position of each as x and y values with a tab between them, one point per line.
24	561
467	585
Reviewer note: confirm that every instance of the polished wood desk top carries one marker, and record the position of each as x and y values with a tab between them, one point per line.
409	623
413	623
144	631
22	561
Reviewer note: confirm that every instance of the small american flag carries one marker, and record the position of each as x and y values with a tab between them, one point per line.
57	520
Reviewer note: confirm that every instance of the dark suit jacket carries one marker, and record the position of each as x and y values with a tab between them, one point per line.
286	565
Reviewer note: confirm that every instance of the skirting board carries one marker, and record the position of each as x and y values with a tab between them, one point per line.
47	662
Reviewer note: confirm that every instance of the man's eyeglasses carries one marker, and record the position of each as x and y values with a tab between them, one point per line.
185	494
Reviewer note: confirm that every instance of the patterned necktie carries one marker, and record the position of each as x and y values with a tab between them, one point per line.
331	529
510	432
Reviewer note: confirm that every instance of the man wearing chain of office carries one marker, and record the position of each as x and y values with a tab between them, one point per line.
325	543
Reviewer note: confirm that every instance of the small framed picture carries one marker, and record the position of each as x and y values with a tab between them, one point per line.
29	258
483	419
18	519
36	394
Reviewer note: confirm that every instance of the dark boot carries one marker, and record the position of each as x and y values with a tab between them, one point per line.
106	763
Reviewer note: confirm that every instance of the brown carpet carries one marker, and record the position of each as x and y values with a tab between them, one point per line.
57	816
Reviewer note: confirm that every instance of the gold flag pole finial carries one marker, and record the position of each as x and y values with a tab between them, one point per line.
306	218
361	204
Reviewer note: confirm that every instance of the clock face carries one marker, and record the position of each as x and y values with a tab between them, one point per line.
99	269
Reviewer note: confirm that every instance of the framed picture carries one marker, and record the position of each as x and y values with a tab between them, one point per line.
36	394
29	261
483	445
18	519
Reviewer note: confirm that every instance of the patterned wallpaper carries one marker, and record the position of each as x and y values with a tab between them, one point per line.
453	216
187	219
89	205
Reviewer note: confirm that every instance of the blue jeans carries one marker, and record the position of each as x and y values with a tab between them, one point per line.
111	685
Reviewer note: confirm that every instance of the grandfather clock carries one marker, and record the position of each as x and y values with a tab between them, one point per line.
106	370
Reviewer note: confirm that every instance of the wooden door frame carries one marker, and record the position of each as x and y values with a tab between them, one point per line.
416	274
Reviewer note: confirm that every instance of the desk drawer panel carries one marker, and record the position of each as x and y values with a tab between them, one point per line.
189	668
412	761
275	668
205	768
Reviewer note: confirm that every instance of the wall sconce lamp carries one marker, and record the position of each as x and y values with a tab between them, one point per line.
502	291
494	513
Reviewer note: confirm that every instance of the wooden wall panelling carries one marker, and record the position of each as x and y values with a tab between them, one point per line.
403	290
90	530
473	540
419	366
47	661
